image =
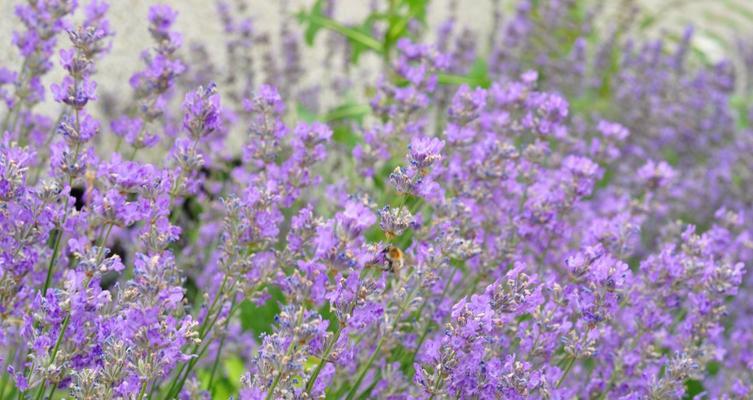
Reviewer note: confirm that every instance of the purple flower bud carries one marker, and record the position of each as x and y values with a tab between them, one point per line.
76	94
425	151
202	112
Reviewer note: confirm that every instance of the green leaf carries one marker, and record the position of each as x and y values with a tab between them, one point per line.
221	388
398	27
311	363
234	368
361	41
692	388
713	368
671	156
479	73
326	312
359	37
345	135
478	76
259	319
305	114
348	110
418	8
452	79
606	179
374	235
311	29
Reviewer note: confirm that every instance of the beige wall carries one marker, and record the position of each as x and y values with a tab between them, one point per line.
197	21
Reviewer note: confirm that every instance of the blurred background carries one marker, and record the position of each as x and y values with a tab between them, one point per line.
723	30
721	27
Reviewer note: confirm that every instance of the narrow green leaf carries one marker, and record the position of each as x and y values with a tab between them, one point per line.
345	135
354	35
348	111
311	29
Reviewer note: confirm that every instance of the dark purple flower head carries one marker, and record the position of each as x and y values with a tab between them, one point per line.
424	152
394	221
161	18
133	132
613	130
74	93
356	217
467	104
309	143
78	129
202	112
14	164
267	99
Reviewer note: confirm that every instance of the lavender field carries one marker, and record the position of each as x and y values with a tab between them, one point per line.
383	199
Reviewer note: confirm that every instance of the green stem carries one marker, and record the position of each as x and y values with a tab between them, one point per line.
214	365
569	366
59	237
142	390
174	392
6	119
53	258
19	106
101	244
179	381
219	349
6	375
118	144
52	390
451	79
367	366
153	387
293	341
4	382
312	380
42	387
425	331
365	394
362	374
204	326
55	350
41	163
177	377
435	384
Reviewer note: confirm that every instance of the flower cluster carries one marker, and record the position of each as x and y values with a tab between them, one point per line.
564	215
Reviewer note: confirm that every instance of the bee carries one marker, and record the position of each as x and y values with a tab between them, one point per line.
394	259
390	259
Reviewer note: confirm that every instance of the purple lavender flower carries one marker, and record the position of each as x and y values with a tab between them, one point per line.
424	152
528	223
656	175
202	112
